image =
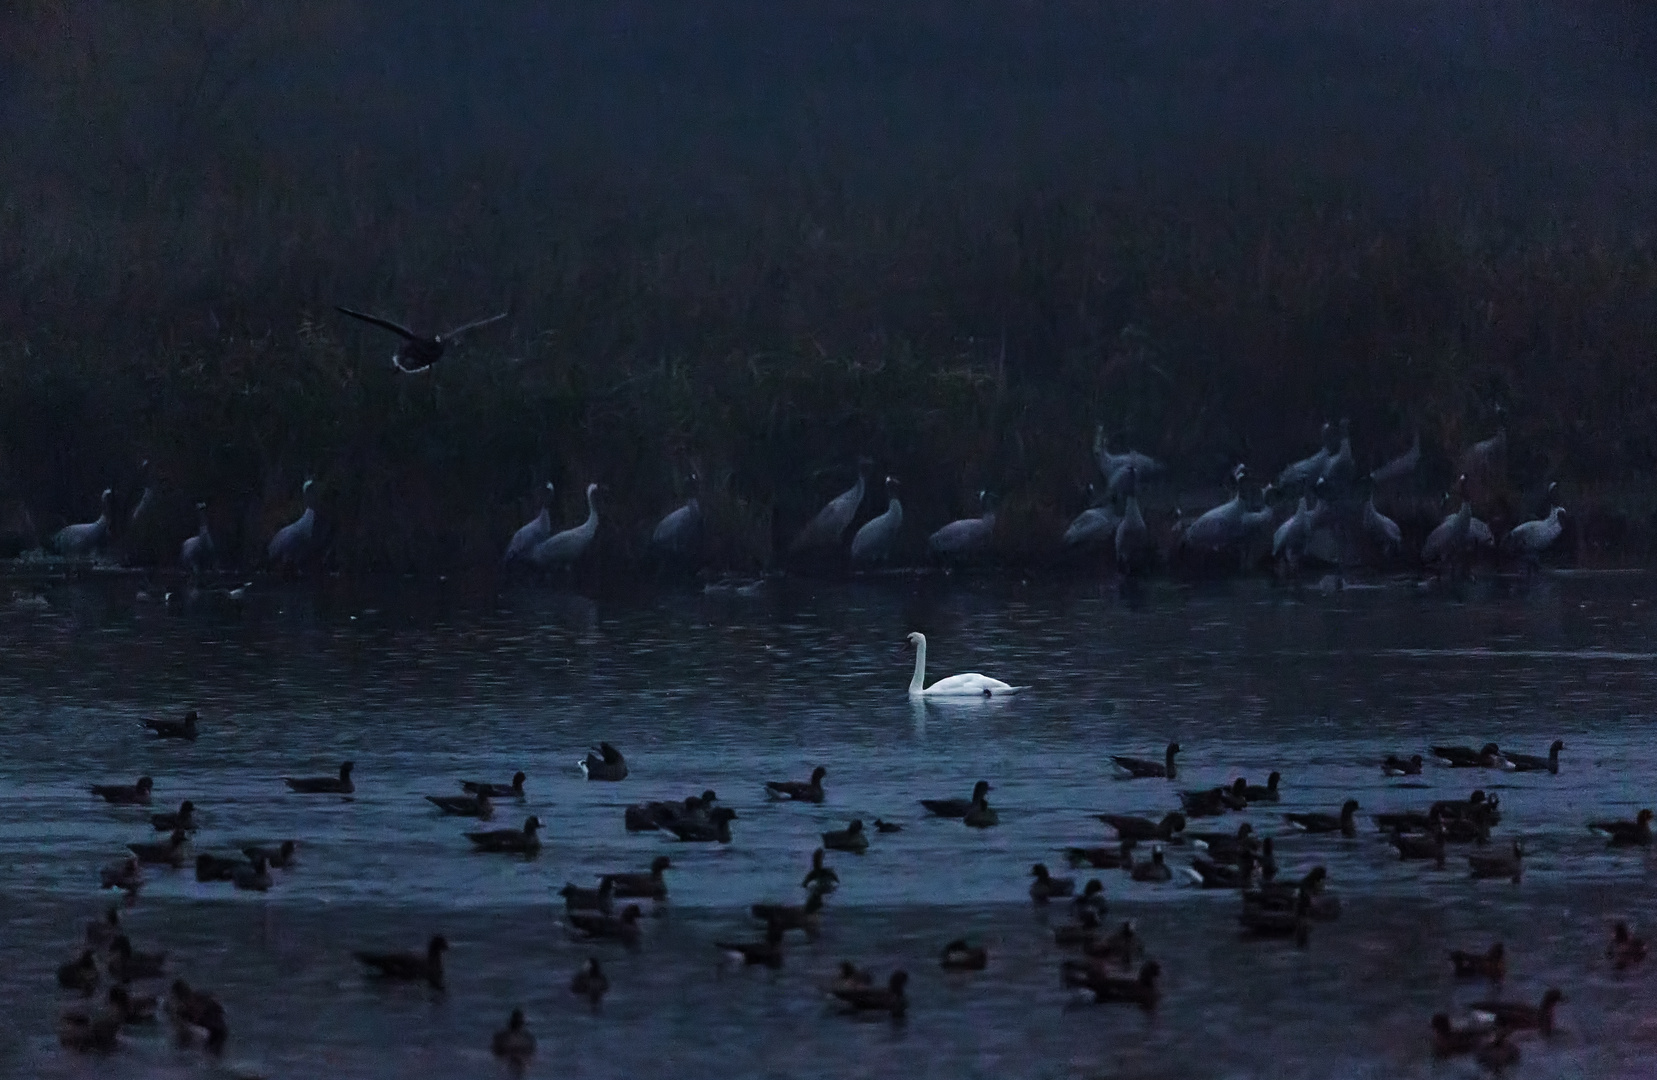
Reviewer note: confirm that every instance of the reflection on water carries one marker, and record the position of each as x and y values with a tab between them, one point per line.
423	685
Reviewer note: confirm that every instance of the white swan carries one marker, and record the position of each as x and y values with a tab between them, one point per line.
970	685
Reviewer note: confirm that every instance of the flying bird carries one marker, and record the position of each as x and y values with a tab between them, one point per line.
417	353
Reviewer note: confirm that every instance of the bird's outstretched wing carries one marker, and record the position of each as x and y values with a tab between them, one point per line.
457	331
383	324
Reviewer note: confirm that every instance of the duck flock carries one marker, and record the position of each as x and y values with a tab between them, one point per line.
1105	963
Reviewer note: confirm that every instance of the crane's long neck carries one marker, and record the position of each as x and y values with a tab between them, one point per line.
591	524
919	681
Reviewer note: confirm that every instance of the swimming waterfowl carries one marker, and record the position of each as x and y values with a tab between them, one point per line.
1140	769
596	925
525	841
1079	932
1255	793
1451	1039
477	806
530	535
1091	898
126	965
852	838
1516	1016
1626	833
1328	823
1208	874
418	352
1533	763
409	966
194	1009
955	808
607	764
278	858
513	1043
887	826
514	790
90	1034
578	899
970	685
980	815
1415	846
646	817
99	932
1476	807
1625	950
1490	864
1400	766
799	790
136	794
1102	858
1210	802
169	852
960	956
1045	886
130	1008
564	549
324	785
889	998
1465	757
254	877
820	878
1123	947
173	729
184	818
756	953
851	975
650	886
1224	846
1106	988
590	981
1490	965
1272	919
716	827
80	975
1129	827
214	868
806	918
1155	870
124	875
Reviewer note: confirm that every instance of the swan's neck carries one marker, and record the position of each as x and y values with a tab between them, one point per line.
917	683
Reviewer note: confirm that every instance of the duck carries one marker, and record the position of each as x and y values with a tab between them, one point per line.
850	975
578	899
294	542
820	878
806	918
80	974
192	1009
965	538
99	932
1395	765
716	827
280	857
1129	827
1327	823
475	806
130	1008
514	790
124	875
211	867
888	999
1626	833
90	1034
1451	1039
1490	965
1275	919
606	764
1255	793
1476	807
1625	949
590	981
597	925
970	685
418	352
1132	768
169	852
1223	846
766	953
1532	763
135	794
565	549
254	877
525	841
852	838
1208	874
1077	933
647	886
125	964
513	1043
957	808
1046	887
1141	991
1091	898
799	790
981	815
825	530
1516	1016
878	537
183	818
1498	864
1210	802
408	966
324	785
887	826
530	535
651	816
1102	858
958	955
1122	947
87	538
1465	757
1156	870
1419	846
173	729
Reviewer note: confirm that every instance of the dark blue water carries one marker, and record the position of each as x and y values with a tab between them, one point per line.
424	684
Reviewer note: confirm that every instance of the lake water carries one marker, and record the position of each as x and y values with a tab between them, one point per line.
426	683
